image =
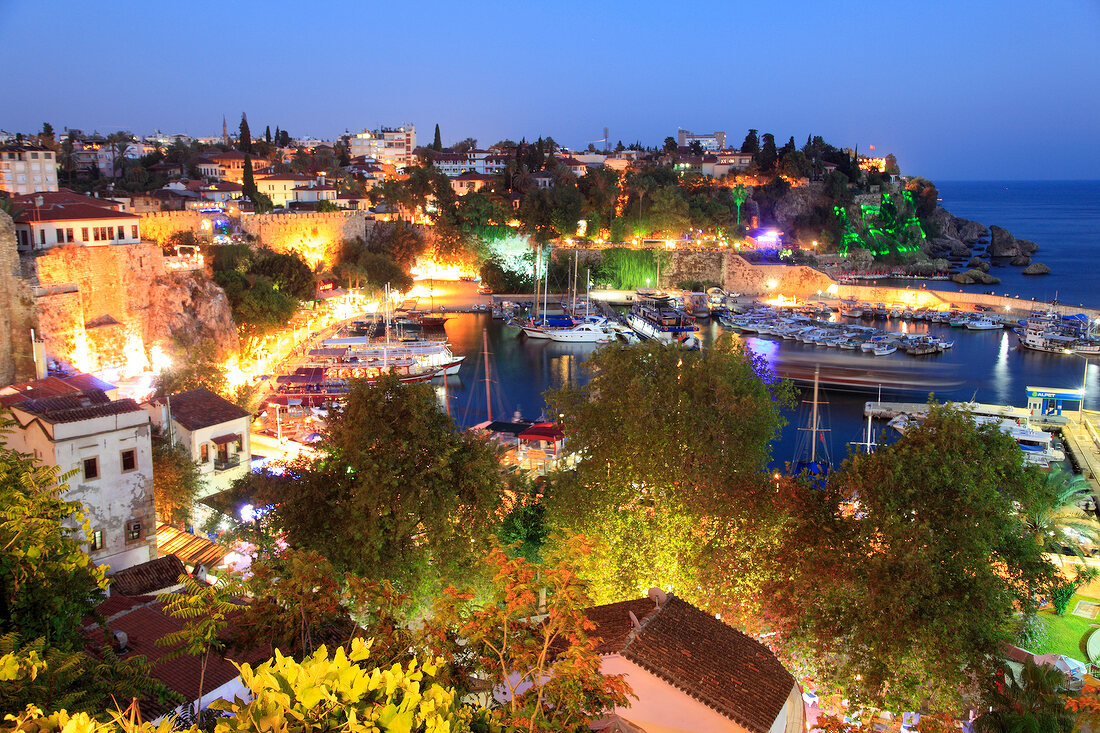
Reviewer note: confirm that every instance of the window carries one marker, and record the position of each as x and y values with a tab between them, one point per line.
133	232
91	468
121	234
34	156
69	234
129	460
60	236
83	234
97	540
42	236
95	231
133	531
204	453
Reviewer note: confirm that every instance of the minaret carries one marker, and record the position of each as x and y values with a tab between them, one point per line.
225	132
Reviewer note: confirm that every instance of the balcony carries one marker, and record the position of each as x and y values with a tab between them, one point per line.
227	463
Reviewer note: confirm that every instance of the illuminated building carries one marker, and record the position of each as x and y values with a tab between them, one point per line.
711	142
27	169
394	146
52	219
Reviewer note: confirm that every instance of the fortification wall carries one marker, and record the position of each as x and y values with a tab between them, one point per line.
314	236
17	314
159	225
922	298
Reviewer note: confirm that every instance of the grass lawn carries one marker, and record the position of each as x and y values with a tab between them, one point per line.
1066	634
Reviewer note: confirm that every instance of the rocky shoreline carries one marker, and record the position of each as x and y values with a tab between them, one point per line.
960	239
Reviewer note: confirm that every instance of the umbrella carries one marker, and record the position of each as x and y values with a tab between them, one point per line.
312	438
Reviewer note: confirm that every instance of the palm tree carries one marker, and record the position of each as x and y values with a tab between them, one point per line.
1030	701
739	196
1053	518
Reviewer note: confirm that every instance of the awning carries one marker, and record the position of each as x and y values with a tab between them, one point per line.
223	439
542	431
188	547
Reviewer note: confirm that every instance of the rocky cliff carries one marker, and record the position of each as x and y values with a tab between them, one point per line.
17	313
107	307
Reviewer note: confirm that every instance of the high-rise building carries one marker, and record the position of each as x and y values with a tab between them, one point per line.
712	142
394	146
27	169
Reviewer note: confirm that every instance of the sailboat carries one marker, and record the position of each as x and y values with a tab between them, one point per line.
812	452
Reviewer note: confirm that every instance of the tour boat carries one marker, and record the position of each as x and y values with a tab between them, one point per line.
436	355
582	333
983	324
653	317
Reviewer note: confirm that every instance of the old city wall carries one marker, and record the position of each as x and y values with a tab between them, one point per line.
101	307
919	297
17	314
158	226
314	236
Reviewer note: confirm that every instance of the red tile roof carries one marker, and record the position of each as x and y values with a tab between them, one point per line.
201	408
145	624
147	577
29	213
84	405
693	651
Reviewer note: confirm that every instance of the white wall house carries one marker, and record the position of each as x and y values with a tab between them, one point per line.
105	157
107	444
485	162
48	220
394	146
212	429
27	169
280	187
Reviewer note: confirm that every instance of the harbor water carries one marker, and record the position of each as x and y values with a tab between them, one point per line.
987	366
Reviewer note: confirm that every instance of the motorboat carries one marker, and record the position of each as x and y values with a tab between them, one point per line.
582	333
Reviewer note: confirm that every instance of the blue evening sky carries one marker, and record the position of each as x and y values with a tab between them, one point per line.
970	89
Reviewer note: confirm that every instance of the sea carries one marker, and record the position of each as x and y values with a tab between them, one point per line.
1062	217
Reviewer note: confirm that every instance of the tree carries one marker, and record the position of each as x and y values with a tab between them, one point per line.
529	639
1053	518
917	546
751	145
691	489
288	272
397	493
739	196
670	145
267	134
668	212
926	195
437	142
768	156
200	368
244	143
248	180
117	144
696	147
204	610
177	482
48	583
46	137
1033	699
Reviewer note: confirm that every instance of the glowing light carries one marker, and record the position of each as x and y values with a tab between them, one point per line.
833	289
772	284
235	376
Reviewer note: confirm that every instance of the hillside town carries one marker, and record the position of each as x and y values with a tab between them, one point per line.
232	485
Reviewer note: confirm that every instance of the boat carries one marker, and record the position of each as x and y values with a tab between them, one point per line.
884	349
582	333
983	324
653	317
431	354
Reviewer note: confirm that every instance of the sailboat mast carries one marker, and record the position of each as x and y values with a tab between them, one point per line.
574	309
587	291
813	434
488	395
535	305
546	282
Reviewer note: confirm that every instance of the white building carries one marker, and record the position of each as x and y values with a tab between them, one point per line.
48	220
105	157
712	142
212	429
280	187
27	169
394	146
107	444
485	162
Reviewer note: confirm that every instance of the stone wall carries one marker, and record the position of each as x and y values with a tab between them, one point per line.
158	226
17	314
103	307
790	280
316	237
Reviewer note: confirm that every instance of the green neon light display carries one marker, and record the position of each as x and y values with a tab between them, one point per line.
891	226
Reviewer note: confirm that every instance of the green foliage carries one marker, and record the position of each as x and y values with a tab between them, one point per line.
48	583
176	482
528	638
751	144
1063	589
359	267
931	556
1052	517
397	493
195	365
326	207
500	279
1033	699
673	444
630	269
288	273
